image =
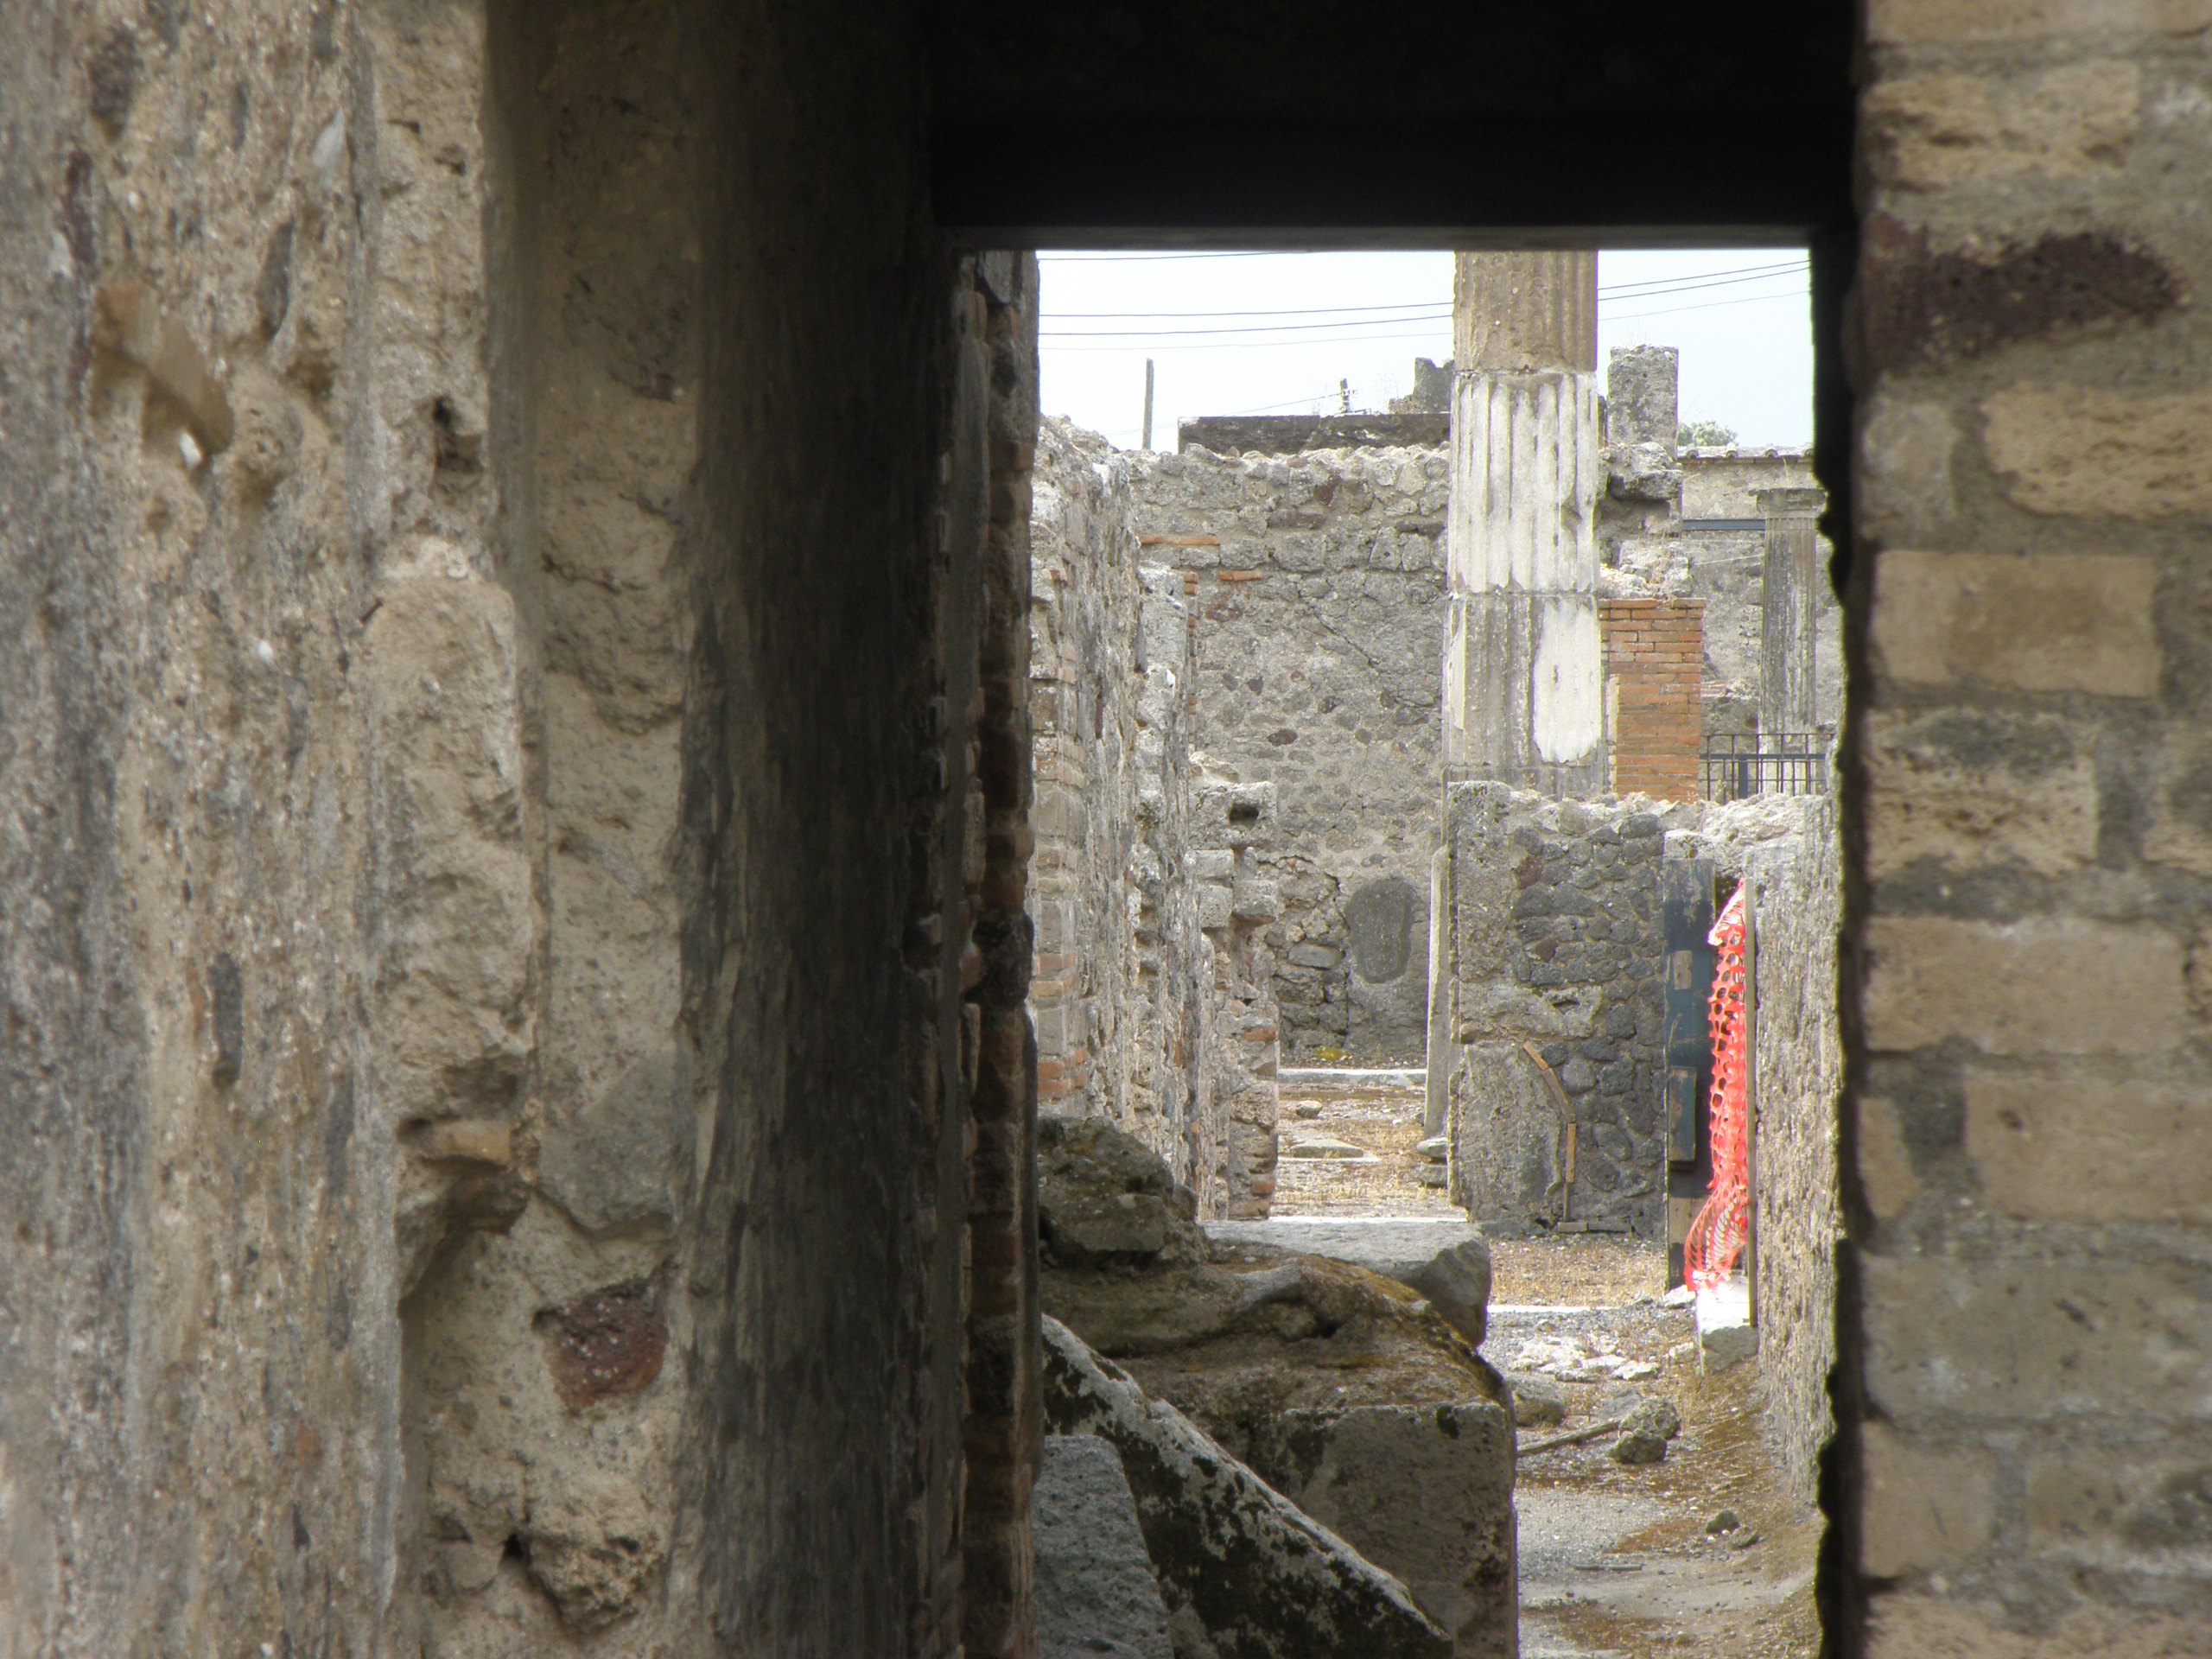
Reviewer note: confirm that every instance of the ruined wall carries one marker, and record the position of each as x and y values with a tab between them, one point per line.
2027	1351
1556	944
1234	825
1154	1000
1121	977
1318	589
1794	899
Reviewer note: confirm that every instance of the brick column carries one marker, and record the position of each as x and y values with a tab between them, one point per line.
1654	660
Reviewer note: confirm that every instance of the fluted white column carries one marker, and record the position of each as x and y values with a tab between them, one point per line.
1523	664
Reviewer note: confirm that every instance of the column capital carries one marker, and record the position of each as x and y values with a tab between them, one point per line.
1790	503
1512	313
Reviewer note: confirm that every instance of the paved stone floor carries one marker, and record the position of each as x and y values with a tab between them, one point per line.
1615	1561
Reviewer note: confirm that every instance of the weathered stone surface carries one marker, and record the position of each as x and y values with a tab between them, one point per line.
1793	886
1967	790
1095	1592
1262	1580
621	1161
1536	1398
2034	986
2048	622
1942	22
1927	1509
1652	1416
1637	1445
1554	1018
1424	1491
1445	1260
1122	995
1927	131
1725	1335
1925	306
2085	1146
1295	435
1103	1197
2078	451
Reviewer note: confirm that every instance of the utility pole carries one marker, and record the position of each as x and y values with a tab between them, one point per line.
1146	444
1523	665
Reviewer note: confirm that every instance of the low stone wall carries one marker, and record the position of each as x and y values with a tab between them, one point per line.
1318	595
1553	956
1152	993
1795	895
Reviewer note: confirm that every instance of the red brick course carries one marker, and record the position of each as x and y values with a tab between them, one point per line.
1655	658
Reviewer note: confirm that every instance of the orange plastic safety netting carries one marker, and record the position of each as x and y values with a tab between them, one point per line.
1716	1237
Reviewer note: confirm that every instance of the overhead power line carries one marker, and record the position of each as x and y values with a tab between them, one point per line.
1433	336
1627	291
1253	328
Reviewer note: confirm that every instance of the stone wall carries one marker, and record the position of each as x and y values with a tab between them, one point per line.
1794	897
1116	998
1653	673
1553	1012
2027	1347
1152	996
1318	591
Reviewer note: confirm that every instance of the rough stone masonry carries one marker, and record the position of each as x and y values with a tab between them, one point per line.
1153	995
297	299
1317	597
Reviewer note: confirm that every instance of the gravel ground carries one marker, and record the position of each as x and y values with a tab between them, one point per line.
1615	1560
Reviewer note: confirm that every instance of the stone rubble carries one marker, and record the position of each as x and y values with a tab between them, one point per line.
1245	1574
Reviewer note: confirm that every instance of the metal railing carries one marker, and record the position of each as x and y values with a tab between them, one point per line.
1771	763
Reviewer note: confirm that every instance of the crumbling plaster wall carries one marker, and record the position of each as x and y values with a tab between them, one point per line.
2027	859
276	954
1318	590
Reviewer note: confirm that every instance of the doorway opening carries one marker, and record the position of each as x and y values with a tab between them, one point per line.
1360	938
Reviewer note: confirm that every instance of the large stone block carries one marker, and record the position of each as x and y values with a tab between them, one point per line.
2090	1146
1901	1625
1241	1566
1931	130
1925	1508
1969	789
1508	1137
1905	453
2044	986
2078	451
1940	22
1886	1177
2047	622
2179	832
2029	1340
1095	1593
1425	1493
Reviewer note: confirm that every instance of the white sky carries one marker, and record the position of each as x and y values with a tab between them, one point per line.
1746	344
